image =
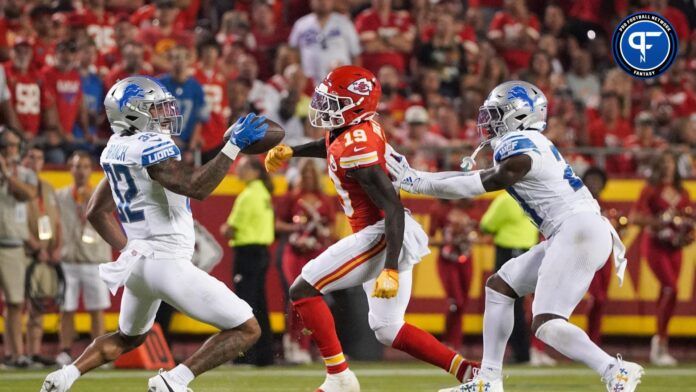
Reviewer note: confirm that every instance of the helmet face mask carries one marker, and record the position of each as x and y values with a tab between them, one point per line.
489	124
326	110
142	104
166	117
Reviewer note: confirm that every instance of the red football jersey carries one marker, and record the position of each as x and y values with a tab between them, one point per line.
216	98
361	145
101	29
66	87
28	97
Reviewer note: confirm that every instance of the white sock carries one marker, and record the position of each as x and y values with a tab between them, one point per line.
72	373
498	321
181	374
574	343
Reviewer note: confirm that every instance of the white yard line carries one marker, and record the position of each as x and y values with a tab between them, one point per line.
367	372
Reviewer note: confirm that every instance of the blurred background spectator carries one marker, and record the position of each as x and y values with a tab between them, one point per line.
306	215
250	230
82	252
17	188
44	246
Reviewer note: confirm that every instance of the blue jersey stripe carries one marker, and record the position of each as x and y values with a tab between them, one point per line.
526	207
158	146
513	147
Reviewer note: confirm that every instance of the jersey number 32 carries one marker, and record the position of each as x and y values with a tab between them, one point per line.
120	175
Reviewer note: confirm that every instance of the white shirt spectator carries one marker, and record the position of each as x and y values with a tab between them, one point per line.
322	49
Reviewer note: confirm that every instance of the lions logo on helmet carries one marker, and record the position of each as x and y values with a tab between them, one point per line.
520	93
131	91
512	106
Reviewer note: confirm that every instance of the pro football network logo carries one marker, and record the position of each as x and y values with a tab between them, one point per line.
645	45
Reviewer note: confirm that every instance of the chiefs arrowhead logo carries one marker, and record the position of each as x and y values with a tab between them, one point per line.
361	87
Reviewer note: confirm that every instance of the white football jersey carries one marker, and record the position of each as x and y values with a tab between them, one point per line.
145	208
550	192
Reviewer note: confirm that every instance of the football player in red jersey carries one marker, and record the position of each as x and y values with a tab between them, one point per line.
386	241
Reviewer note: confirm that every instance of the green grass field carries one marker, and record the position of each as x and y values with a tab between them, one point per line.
374	377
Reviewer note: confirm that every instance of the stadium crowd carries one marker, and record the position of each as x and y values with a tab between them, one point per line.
436	61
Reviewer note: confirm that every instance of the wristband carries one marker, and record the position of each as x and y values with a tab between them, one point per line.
231	150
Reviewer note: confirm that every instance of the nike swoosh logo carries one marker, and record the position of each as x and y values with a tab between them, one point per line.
167	384
359	149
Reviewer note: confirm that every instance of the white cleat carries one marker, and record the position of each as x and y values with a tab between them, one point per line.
163	383
477	384
340	382
625	376
56	382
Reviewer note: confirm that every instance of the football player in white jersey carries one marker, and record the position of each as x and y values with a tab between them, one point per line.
579	241
149	187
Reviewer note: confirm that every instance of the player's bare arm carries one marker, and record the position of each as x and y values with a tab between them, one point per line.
199	183
100	213
181	178
459	185
378	186
282	153
314	149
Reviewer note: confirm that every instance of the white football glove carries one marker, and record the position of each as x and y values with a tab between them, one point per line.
404	176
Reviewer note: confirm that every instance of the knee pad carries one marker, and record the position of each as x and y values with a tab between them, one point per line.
546	330
386	332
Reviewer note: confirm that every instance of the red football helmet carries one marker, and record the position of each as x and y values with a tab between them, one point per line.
347	96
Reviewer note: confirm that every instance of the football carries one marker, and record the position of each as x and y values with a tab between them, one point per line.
274	135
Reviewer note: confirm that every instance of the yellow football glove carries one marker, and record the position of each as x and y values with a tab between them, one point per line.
277	156
387	284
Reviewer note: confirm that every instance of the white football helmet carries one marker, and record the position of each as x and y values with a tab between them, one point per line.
512	106
142	104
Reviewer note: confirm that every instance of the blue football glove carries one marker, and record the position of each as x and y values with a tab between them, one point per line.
247	130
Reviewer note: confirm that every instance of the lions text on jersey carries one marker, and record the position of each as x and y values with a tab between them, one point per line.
550	192
145	208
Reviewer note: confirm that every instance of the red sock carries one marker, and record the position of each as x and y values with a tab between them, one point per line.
317	318
425	347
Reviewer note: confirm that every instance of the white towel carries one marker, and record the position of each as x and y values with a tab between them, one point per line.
116	274
415	245
619	253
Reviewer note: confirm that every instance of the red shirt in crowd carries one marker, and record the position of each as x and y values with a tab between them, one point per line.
652	201
144	15
66	87
160	42
602	134
100	28
509	27
677	19
119	72
301	208
370	26
263	48
215	88
44	52
28	97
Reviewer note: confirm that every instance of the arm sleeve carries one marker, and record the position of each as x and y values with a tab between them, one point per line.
462	186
